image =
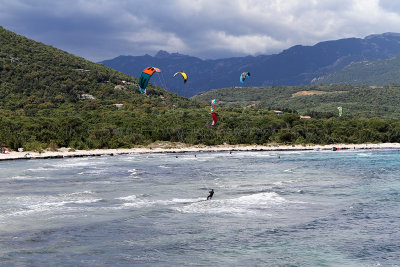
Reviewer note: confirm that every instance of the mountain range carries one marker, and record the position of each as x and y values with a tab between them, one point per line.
298	65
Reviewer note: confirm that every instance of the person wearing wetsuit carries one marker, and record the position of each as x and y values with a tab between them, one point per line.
211	194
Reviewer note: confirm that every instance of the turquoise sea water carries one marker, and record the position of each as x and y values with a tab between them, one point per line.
288	209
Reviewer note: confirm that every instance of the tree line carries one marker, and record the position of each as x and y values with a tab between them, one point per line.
94	129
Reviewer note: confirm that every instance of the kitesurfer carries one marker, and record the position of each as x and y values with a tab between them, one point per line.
211	194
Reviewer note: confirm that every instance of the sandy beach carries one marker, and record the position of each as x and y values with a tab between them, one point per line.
183	148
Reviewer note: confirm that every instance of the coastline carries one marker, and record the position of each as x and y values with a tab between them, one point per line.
182	148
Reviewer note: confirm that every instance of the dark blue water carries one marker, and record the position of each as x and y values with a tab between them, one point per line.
299	209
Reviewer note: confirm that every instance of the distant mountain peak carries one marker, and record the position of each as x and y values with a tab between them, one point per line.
165	54
386	34
162	54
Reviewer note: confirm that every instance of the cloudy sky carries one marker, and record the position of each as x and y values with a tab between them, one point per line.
104	29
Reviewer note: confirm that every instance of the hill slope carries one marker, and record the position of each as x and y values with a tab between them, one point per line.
46	74
50	96
298	65
378	73
362	101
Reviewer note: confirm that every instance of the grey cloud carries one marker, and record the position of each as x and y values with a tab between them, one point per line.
390	5
101	29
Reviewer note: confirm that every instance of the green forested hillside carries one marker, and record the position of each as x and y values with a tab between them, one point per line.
43	99
373	73
365	101
51	99
34	74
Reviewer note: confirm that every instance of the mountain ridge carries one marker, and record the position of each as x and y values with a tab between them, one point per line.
297	65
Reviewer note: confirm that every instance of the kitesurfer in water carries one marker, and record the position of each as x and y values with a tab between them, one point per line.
211	194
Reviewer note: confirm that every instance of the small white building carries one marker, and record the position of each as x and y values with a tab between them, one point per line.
120	87
87	96
305	117
129	83
83	71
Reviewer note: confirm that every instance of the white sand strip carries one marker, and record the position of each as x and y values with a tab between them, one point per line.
99	152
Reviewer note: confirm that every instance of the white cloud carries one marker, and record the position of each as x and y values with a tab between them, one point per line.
155	40
244	44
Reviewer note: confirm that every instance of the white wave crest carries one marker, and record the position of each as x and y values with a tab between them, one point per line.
249	204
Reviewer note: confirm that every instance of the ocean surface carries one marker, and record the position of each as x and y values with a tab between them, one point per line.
319	208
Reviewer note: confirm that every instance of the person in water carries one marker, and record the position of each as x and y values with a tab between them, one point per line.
211	194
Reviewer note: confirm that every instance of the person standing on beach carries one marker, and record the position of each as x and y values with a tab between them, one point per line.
211	194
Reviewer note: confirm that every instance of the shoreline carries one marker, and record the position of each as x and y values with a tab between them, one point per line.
64	153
